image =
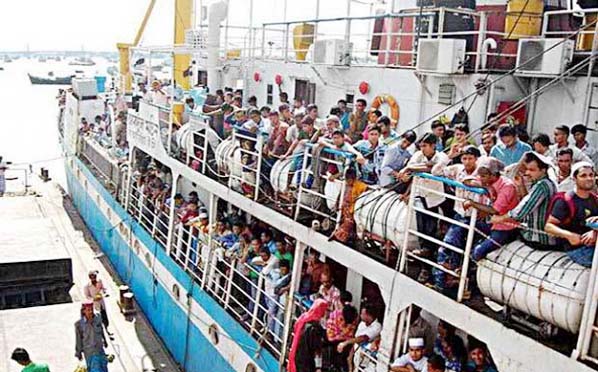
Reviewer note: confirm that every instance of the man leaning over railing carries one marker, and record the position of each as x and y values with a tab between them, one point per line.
503	195
570	213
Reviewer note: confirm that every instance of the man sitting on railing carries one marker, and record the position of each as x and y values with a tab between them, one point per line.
503	195
423	161
366	336
456	235
395	159
572	211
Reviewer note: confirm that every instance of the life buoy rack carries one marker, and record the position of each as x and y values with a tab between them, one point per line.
395	112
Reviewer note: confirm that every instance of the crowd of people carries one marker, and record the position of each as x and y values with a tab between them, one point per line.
537	190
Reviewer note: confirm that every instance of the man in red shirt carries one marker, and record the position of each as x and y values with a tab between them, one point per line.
503	195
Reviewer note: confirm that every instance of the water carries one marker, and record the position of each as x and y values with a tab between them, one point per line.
28	125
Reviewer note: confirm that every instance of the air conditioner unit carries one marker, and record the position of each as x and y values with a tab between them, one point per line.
544	56
442	56
332	52
84	88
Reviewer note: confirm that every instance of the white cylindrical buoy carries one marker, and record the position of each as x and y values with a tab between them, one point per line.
224	153
382	213
544	284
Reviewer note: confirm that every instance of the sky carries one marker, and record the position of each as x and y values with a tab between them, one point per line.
100	24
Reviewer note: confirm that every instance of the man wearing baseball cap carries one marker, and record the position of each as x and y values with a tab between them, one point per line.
570	213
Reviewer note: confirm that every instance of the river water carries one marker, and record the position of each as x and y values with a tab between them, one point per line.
28	121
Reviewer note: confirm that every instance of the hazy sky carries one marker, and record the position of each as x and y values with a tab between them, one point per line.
100	24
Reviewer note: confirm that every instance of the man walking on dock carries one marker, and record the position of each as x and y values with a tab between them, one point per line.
95	291
90	340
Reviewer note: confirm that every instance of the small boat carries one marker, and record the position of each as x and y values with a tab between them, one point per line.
51	80
41	59
82	61
1	68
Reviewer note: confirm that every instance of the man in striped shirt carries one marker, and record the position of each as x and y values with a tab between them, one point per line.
530	214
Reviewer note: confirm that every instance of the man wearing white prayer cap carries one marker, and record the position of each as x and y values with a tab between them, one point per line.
414	360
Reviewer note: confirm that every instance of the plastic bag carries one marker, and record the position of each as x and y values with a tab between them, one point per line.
81	367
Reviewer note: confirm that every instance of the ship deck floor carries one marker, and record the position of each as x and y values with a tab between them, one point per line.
47	332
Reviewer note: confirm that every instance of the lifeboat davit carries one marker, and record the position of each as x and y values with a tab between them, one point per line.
544	284
382	213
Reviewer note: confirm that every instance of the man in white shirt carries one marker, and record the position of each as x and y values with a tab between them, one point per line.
367	332
265	263
423	161
561	141
94	291
579	132
564	160
414	360
157	96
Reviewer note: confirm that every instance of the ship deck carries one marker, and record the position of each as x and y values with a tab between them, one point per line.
46	228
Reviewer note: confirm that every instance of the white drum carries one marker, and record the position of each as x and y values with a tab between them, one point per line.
382	213
544	284
280	174
224	153
332	190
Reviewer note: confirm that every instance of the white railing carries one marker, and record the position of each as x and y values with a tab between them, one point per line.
310	197
149	213
250	162
459	272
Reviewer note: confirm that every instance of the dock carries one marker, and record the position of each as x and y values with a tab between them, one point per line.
44	227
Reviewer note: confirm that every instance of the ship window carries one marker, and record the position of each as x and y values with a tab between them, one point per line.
269	96
148	259
350	98
446	94
137	246
250	368
98	201
214	334
108	213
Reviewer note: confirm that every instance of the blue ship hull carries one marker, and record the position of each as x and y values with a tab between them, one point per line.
182	337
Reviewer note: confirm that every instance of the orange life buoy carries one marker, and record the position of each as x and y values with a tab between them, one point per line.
392	103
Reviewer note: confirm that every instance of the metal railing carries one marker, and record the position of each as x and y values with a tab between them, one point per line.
584	33
310	197
247	159
199	144
149	213
420	184
100	158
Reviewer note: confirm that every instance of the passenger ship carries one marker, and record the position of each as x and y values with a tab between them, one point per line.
416	61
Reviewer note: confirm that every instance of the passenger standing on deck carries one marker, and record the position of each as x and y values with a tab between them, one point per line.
395	159
21	356
511	149
157	96
94	291
564	161
358	121
561	141
579	132
571	211
90	340
308	337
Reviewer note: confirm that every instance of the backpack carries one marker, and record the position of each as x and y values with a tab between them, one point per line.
567	197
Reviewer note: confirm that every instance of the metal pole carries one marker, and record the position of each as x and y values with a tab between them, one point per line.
481	38
589	312
290	303
258	171
466	254
286	43
410	212
256	303
589	88
171	211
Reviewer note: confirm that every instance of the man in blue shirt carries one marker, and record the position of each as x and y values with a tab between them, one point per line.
511	149
395	159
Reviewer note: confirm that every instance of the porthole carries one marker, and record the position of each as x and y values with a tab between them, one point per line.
214	334
176	291
108	213
98	202
250	368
